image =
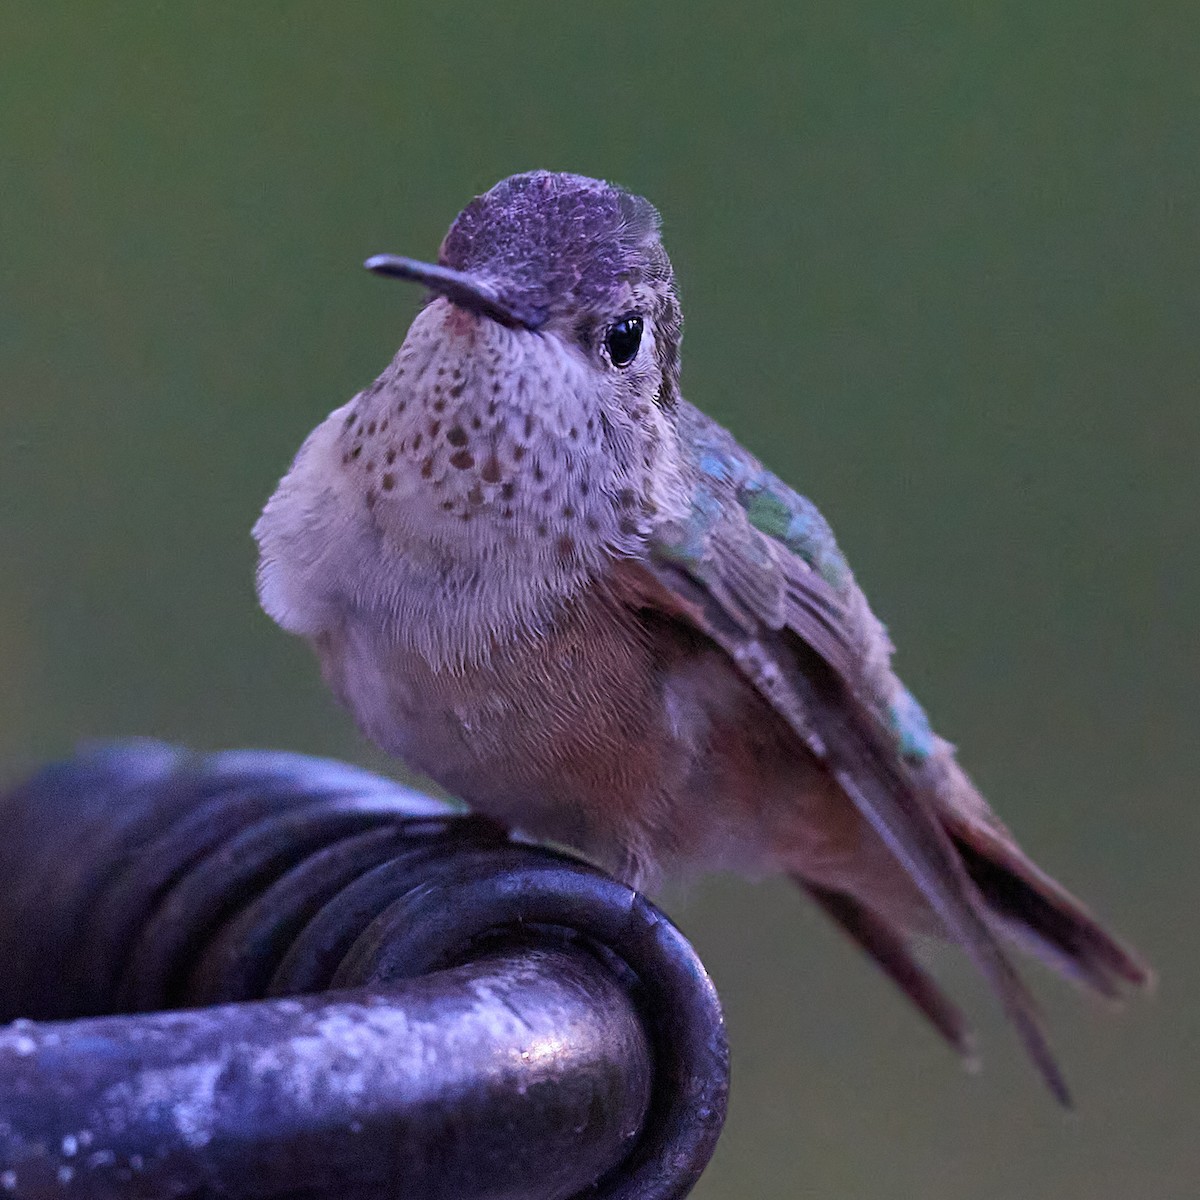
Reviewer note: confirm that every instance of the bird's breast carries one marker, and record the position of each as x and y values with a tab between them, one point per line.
559	729
624	739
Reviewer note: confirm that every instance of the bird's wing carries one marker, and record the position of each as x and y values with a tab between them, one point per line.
754	567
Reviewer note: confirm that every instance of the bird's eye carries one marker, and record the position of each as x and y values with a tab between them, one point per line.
623	338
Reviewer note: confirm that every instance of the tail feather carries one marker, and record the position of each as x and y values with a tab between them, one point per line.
890	950
1018	899
1041	914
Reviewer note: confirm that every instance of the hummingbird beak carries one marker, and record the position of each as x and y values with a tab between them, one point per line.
464	290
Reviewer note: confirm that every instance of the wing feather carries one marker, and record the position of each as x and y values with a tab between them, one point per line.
785	629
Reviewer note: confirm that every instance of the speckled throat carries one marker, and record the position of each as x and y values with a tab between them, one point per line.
479	487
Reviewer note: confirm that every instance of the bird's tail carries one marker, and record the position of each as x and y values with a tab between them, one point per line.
1014	896
1039	914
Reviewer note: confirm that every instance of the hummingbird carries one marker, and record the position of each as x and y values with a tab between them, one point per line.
539	576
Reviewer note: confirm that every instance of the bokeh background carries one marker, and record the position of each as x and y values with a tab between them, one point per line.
939	265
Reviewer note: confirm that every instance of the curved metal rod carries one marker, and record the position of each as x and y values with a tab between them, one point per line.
523	1074
502	1016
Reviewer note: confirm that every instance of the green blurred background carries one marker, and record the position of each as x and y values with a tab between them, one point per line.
939	265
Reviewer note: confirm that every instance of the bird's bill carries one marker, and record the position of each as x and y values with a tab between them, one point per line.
459	287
